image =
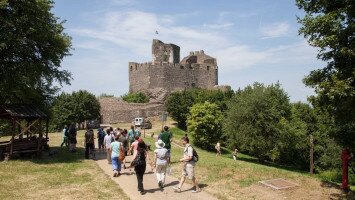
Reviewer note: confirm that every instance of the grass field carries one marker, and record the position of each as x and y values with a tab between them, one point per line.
61	176
228	179
69	176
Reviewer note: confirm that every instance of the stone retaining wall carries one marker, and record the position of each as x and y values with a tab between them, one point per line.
115	110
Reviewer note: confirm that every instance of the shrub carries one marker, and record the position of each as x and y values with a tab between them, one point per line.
137	97
179	103
205	124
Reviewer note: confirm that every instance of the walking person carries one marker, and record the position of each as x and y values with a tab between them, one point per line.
166	137
134	146
188	167
124	143
115	149
107	143
161	162
100	138
131	134
72	138
218	149
65	136
89	143
139	163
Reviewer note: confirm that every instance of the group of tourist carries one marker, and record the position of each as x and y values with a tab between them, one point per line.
119	143
69	137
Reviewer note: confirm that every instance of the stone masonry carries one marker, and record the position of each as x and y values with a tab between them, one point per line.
166	73
115	110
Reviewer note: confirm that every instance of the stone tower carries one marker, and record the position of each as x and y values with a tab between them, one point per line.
165	52
166	73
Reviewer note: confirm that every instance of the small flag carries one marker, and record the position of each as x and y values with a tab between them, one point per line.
156	32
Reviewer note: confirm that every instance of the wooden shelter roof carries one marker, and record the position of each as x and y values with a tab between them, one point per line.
21	111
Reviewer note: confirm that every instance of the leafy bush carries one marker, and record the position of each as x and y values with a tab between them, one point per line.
204	123
137	97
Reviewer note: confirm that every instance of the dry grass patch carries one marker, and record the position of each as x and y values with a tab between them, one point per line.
62	176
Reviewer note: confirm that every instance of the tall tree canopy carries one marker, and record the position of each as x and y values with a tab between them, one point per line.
74	108
255	121
330	26
32	46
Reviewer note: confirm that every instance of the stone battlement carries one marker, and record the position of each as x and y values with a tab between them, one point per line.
167	73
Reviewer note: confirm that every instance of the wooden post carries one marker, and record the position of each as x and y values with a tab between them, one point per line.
28	124
40	128
47	123
13	136
311	167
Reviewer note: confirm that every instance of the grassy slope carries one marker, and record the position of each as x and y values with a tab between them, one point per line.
227	179
62	176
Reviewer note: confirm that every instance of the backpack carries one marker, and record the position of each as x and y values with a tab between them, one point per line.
195	155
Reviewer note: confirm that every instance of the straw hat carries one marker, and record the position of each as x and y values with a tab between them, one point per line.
160	144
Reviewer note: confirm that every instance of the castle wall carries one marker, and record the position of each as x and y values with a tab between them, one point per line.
165	73
139	76
114	110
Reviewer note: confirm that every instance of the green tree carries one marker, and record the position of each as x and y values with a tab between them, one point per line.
329	25
74	108
179	103
296	135
255	121
137	97
32	46
205	124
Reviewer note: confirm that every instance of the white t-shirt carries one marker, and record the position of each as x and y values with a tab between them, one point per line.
107	141
161	156
188	152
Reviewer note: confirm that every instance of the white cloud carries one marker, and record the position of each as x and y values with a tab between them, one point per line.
239	57
122	2
134	31
243	56
219	25
275	30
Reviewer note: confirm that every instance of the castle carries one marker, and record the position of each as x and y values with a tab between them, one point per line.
166	73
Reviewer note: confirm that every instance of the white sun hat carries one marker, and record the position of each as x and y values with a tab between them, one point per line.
160	144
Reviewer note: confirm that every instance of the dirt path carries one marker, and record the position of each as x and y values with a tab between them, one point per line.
128	182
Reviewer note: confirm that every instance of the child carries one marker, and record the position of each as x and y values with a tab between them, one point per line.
235	154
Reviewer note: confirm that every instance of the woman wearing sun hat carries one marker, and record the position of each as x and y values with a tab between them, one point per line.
161	162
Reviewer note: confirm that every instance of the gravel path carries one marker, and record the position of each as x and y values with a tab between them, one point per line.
128	182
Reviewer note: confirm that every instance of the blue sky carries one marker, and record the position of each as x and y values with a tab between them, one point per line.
254	40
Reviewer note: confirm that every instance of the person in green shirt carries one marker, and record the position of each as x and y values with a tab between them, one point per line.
166	137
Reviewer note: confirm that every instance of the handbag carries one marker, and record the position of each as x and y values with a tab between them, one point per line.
138	160
122	153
